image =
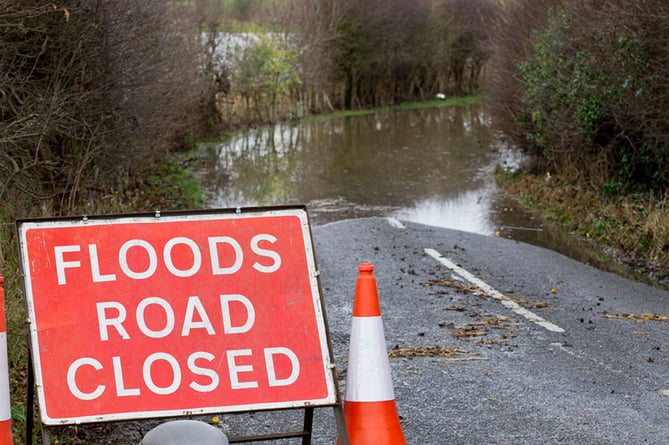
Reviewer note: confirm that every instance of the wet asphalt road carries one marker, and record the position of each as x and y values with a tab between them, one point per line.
495	342
602	380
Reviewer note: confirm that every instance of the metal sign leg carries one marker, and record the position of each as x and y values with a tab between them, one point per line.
341	425
308	425
30	400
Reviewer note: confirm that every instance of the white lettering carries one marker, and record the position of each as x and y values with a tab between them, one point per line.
235	369
162	372
138	259
228	328
72	379
116	322
169	317
118	380
123	259
95	266
271	370
264	252
194	304
61	264
215	262
197	257
176	373
202	371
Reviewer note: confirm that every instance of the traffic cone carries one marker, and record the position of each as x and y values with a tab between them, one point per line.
5	404
369	401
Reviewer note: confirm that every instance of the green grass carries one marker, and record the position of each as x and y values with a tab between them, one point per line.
172	186
635	228
448	102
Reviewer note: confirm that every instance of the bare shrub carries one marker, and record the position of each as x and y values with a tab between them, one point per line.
382	52
510	42
90	90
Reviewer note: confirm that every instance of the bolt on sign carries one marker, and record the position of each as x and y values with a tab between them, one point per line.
184	313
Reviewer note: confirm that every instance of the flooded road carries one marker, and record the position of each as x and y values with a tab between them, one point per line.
433	166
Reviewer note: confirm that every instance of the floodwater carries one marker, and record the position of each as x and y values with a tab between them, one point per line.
433	166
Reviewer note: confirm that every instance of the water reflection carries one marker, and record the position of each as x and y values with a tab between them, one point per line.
432	166
469	211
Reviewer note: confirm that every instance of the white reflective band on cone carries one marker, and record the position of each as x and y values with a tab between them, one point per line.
368	366
5	408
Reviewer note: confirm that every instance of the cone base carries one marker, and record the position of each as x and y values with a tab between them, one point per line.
6	432
373	423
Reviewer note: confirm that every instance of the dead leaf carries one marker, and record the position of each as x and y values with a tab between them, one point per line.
489	341
468	332
430	351
492	321
465	359
465	288
526	303
640	318
470	288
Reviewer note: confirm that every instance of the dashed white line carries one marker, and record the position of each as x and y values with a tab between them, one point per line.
583	356
494	293
396	223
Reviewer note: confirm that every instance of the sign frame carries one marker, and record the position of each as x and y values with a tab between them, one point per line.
332	397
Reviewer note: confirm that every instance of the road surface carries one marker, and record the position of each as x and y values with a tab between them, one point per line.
492	341
556	352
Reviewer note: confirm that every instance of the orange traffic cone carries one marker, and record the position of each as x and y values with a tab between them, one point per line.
5	405
369	401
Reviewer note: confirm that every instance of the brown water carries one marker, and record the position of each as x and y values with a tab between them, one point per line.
433	166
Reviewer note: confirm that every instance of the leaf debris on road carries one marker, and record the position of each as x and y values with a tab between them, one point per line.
462	287
472	289
526	303
429	351
475	329
640	318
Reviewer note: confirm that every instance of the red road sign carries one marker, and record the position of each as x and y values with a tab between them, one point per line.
154	316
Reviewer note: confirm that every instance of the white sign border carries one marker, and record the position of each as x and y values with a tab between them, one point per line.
158	218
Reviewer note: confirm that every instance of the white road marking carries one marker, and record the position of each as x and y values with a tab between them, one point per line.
396	223
485	287
583	356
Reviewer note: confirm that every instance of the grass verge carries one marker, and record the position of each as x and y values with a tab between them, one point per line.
632	228
448	102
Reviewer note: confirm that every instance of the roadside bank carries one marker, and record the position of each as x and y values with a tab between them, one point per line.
631	229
